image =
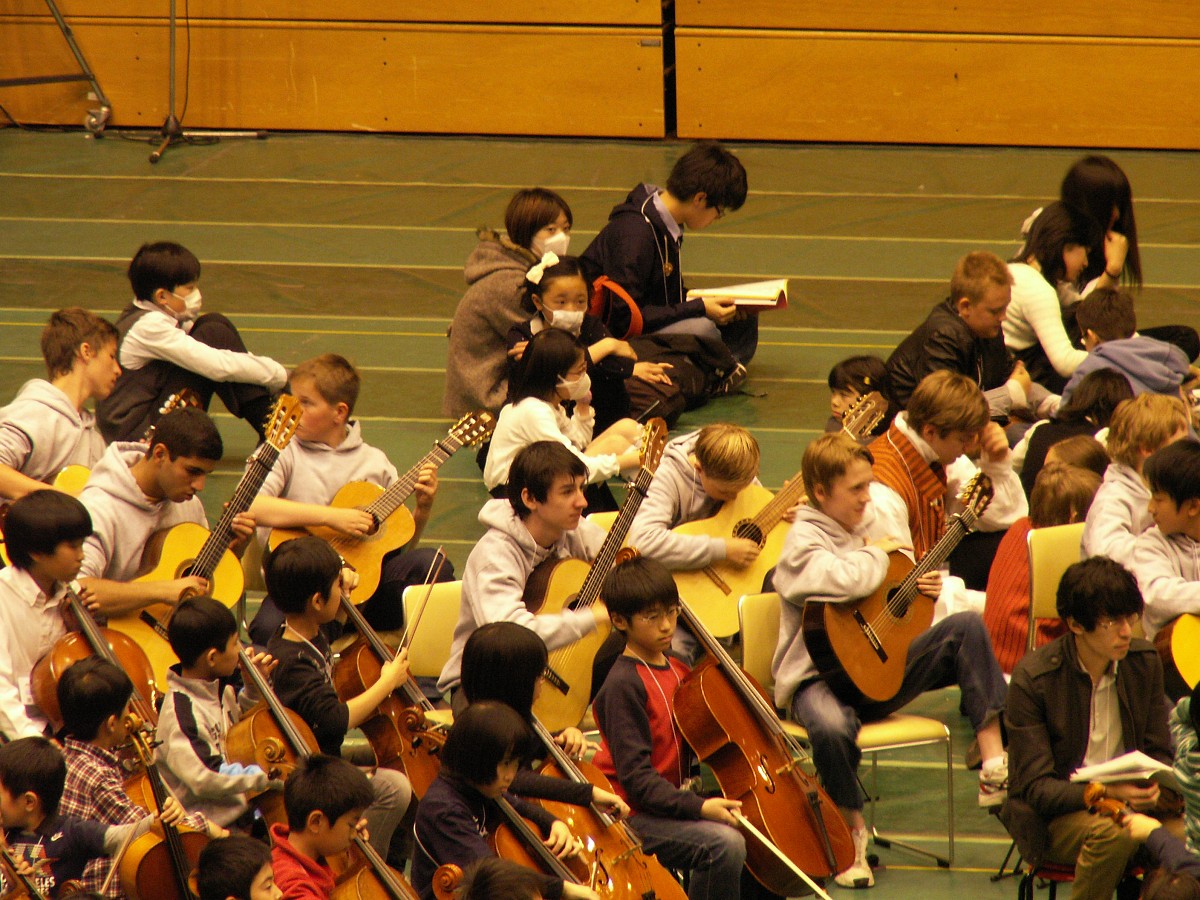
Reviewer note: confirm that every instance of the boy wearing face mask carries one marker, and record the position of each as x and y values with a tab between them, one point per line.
166	345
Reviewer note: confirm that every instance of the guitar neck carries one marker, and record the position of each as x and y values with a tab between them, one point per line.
393	498
589	593
772	514
957	528
278	712
257	469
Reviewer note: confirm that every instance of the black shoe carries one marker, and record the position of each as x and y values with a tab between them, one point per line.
731	382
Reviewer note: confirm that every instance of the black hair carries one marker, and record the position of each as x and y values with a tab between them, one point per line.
40	521
638	585
1096	398
299	568
1174	470
530	210
200	624
485	735
1055	227
90	691
1093	187
34	764
227	867
188	432
503	648
493	878
863	374
566	267
710	168
325	784
161	265
535	468
1097	587
549	355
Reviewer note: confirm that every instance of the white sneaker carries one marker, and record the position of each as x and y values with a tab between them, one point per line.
993	784
859	875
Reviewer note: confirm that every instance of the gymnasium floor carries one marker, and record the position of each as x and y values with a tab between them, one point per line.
355	244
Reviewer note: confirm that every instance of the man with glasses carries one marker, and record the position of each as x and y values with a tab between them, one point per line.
1087	697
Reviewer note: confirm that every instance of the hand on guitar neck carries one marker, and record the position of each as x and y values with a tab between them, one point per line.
929	584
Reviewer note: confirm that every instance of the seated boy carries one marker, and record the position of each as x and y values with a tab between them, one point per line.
94	697
1108	323
1084	698
327	453
45	532
306	578
200	708
137	490
236	868
166	345
541	519
325	798
828	557
51	847
1120	511
639	248
47	427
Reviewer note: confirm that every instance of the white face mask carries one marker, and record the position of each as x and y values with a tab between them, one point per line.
557	244
191	306
578	388
566	320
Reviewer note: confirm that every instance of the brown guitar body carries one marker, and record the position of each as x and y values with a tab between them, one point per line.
365	554
861	648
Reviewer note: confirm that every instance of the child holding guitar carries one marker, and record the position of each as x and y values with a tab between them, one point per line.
830	557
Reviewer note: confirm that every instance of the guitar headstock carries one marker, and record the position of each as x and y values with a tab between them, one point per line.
976	495
654	442
860	419
283	421
474	428
179	400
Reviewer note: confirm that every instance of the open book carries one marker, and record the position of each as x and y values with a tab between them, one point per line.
1132	766
756	296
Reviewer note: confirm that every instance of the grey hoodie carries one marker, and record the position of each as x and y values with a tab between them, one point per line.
494	582
821	561
123	518
1118	514
1168	572
41	432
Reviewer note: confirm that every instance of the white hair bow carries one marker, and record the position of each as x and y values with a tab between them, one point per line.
534	275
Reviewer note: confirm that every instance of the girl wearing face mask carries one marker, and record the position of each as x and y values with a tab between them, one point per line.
556	293
167	343
537	221
552	370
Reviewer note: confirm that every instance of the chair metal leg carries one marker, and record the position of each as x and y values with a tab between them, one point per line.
1000	874
887	842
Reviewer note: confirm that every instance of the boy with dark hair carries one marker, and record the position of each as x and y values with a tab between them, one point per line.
325	798
200	708
327	453
94	697
136	490
306	578
641	750
236	868
639	248
47	427
166	345
45	532
541	519
1100	668
53	847
1108	323
493	877
829	557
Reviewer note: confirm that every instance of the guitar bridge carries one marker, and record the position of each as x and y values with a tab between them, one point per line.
556	681
871	636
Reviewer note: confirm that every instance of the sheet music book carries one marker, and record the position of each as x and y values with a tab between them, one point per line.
756	295
1132	766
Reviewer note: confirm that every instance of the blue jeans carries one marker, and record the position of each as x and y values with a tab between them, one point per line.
957	650
713	853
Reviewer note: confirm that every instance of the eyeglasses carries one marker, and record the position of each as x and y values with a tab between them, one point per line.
671	613
1108	624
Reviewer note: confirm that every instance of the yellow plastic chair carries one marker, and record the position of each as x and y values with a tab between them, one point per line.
758	615
603	519
1051	551
252	567
429	646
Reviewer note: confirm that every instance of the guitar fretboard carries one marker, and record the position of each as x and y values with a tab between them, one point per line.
393	498
257	469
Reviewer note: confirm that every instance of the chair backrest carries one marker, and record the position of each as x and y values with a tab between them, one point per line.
430	646
1051	551
758	618
252	566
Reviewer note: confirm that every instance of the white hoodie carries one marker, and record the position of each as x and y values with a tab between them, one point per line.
41	432
123	518
1168	572
1119	513
494	582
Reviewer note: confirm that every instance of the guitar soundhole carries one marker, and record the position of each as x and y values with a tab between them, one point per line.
748	530
894	605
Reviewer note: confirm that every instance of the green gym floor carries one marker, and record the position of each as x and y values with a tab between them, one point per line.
355	244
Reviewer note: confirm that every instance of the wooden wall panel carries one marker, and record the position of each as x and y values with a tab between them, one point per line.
920	88
338	76
1130	18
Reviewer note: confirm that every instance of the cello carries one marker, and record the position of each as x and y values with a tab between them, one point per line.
370	878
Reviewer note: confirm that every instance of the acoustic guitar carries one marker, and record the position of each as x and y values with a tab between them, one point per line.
1176	643
861	647
757	515
394	526
191	549
558	584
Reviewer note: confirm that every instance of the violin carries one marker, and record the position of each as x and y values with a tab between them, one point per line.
370	878
86	638
619	865
159	865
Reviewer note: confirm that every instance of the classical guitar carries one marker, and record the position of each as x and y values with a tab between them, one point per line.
559	584
713	592
1177	643
191	549
394	526
861	647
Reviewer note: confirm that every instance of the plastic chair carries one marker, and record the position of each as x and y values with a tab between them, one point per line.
758	615
429	647
1052	550
603	519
